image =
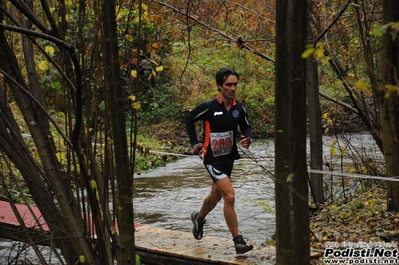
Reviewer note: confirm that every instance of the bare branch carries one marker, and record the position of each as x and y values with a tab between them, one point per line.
241	43
45	36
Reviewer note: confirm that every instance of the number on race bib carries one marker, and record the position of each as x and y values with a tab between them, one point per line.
222	143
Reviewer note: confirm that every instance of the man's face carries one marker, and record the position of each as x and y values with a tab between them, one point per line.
229	87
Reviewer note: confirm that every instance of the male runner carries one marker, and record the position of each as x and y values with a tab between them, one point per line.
221	117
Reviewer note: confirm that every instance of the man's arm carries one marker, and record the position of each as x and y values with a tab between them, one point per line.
246	130
193	116
244	124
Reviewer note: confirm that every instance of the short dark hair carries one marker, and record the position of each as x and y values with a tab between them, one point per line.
223	73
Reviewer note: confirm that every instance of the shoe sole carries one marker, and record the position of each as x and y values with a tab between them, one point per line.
250	247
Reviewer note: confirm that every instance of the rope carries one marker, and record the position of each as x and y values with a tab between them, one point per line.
317	171
350	175
170	154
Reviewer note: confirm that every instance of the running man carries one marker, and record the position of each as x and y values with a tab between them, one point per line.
221	117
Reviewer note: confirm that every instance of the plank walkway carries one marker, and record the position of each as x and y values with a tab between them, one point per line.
181	248
154	245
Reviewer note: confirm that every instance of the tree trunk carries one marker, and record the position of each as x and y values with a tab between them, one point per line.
124	177
315	131
389	105
42	183
291	192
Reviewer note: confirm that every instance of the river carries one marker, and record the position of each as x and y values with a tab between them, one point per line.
165	197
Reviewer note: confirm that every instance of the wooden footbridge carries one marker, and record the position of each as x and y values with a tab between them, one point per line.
154	245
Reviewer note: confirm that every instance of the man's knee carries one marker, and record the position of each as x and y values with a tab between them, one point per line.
229	199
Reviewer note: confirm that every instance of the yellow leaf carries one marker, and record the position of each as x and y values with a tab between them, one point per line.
159	68
326	131
60	156
35	155
43	65
93	184
333	151
153	74
326	116
364	169
133	73
350	170
129	38
68	18
154	62
343	150
132	97
146	16
361	85
390	89
329	122
82	259
144	6
307	52
318	53
325	60
49	50
136	105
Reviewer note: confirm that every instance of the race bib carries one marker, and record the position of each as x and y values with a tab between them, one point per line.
221	143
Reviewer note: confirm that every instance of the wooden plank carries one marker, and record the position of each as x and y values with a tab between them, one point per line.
178	246
154	245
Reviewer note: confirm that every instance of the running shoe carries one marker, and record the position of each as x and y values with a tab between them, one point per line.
198	228
241	246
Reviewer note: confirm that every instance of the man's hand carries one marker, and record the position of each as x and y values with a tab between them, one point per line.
197	150
245	141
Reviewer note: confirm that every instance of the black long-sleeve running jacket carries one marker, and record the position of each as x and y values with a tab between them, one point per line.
220	129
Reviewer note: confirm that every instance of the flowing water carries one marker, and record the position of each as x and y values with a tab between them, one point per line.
165	197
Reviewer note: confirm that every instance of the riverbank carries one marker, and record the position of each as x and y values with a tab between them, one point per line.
361	217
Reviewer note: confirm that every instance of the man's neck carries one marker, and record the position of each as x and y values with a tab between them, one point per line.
227	102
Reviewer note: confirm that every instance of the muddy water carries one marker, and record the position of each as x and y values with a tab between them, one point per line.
165	197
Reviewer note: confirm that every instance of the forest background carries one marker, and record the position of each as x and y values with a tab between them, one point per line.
65	73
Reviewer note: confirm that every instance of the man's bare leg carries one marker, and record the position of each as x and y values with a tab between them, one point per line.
227	191
210	201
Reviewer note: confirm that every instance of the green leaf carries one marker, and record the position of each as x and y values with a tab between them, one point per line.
380	31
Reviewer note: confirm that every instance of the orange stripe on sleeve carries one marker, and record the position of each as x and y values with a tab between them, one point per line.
207	133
